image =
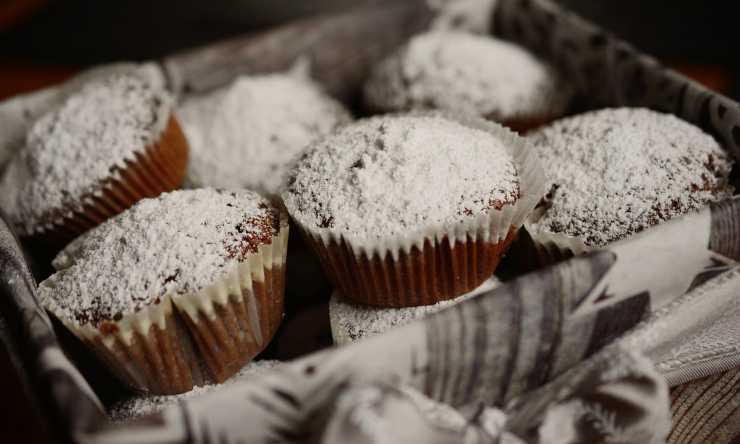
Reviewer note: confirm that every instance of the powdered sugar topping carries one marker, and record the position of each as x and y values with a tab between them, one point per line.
146	405
73	148
393	175
618	171
247	134
466	73
175	244
352	322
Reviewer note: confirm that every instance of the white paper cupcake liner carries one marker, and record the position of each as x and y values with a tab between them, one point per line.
204	336
159	168
437	262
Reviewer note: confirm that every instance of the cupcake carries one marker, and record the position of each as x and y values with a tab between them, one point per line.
351	322
105	147
471	74
177	291
411	210
19	113
615	172
247	134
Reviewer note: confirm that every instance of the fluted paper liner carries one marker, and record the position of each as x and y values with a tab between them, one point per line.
159	168
435	263
205	336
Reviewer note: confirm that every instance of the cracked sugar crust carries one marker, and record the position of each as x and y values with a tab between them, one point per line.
393	175
616	172
73	148
248	134
177	243
465	73
143	405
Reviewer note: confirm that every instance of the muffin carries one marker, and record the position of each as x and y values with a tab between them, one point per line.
471	74
351	322
110	144
20	112
177	291
410	210
615	172
247	134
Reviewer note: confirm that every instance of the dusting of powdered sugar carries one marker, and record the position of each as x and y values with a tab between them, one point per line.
72	149
247	134
459	72
391	175
148	404
18	113
618	171
177	243
351	322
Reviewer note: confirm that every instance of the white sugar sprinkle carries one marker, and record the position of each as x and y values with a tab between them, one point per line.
465	73
352	322
70	150
618	171
387	176
146	405
247	134
177	243
19	113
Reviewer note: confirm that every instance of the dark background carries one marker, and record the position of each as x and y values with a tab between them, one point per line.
45	41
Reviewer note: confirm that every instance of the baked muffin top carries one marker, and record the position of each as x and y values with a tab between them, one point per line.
75	147
465	73
615	172
177	243
396	175
247	134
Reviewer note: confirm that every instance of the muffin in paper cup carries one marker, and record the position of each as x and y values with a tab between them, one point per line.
177	291
614	173
412	209
108	145
248	133
472	74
